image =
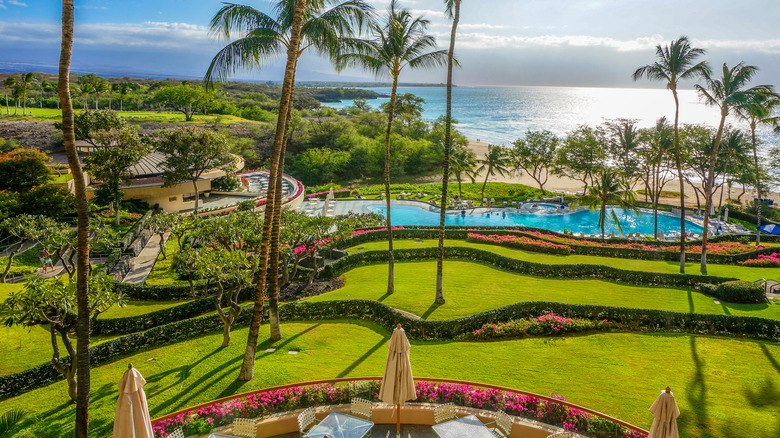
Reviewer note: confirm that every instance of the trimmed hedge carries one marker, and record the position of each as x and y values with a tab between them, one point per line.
743	292
143	292
520	242
522	267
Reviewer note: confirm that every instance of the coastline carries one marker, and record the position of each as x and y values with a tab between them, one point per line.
571	186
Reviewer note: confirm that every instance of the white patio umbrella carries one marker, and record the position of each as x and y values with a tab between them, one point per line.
398	382
665	413
132	413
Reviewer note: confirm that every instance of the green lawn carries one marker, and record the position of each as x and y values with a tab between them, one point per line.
718	396
24	263
163	274
741	272
471	288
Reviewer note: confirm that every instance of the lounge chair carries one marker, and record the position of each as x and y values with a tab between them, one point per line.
244	427
306	420
503	425
444	412
560	435
361	407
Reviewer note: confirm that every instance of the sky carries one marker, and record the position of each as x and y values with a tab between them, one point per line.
595	43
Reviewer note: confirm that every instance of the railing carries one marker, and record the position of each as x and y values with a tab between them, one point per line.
502	389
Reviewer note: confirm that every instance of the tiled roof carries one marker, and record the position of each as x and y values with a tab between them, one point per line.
150	165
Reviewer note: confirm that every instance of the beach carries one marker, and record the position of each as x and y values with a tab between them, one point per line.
562	184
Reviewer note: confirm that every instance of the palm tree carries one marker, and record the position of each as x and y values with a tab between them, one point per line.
725	93
9	82
675	62
124	89
100	88
453	11
84	91
27	80
11	420
735	146
401	42
660	145
607	190
755	111
47	87
263	36
82	260
17	96
496	161
462	161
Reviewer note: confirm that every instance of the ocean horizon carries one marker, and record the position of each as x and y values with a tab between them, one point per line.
502	114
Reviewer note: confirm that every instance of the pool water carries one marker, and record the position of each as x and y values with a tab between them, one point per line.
584	221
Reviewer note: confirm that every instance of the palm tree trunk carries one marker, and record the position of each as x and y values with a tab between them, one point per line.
482	197
678	164
7	109
603	218
758	183
82	264
447	149
197	195
653	193
723	182
390	258
248	364
708	193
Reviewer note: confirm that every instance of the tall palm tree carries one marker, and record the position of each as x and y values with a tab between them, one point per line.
47	87
9	82
675	62
462	161
759	111
496	161
401	41
264	36
285	102
453	11
124	89
84	91
28	79
100	88
726	93
608	189
82	260
734	146
660	146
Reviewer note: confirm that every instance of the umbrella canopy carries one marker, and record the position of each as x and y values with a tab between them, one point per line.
770	229
132	413
665	413
398	382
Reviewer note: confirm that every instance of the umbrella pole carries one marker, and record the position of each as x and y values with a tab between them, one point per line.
398	420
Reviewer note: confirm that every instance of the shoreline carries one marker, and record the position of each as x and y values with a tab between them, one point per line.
570	186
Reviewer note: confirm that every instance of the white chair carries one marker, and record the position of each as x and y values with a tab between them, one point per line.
503	425
361	407
306	419
178	433
244	427
444	412
560	435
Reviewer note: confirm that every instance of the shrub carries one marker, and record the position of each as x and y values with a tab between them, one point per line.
227	183
199	426
740	291
547	324
520	242
763	261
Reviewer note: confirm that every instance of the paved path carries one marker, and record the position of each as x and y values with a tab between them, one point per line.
144	262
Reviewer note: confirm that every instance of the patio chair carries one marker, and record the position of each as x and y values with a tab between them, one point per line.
361	407
503	425
560	435
244	427
444	412
306	419
178	433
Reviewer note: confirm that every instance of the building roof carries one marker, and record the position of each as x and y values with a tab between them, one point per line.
150	165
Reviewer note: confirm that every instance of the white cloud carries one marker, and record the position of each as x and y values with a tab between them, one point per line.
17	3
481	40
481	26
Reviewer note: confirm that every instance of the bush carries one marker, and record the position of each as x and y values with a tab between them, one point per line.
198	427
48	200
520	242
764	261
545	325
740	291
227	183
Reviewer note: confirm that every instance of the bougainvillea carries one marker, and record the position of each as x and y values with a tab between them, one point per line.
545	325
520	242
764	261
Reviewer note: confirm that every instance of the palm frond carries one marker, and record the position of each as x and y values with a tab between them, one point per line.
234	18
11	419
243	54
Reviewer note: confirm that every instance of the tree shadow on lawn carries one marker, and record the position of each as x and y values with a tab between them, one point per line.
430	310
183	371
696	393
767	396
362	358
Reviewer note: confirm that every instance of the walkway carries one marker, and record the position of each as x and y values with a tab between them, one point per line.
144	262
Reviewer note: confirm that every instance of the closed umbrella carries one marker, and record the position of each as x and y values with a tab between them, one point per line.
665	413
132	413
398	382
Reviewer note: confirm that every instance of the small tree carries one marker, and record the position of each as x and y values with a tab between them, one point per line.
162	224
607	190
23	227
53	302
23	169
231	271
110	163
189	153
496	161
462	161
581	156
536	155
185	99
88	124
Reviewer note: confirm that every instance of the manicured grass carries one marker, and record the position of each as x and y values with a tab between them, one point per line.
24	263
65	177
472	288
619	374
735	271
163	273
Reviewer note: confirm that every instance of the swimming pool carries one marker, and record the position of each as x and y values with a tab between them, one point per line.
584	221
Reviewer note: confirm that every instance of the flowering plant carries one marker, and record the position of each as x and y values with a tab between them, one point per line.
726	248
545	325
520	242
764	261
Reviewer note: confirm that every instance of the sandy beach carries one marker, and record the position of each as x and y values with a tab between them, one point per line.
571	186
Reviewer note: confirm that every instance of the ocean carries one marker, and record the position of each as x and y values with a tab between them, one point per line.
501	115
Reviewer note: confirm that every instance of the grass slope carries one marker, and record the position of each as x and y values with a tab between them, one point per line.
735	271
471	288
718	396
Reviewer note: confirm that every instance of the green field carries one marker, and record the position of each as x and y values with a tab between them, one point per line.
618	373
735	271
471	288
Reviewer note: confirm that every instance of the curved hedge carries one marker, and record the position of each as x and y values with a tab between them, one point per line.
523	267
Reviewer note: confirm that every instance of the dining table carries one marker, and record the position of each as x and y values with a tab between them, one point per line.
464	427
340	425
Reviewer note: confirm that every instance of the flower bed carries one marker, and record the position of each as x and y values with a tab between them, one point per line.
520	242
261	404
309	247
763	261
547	324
